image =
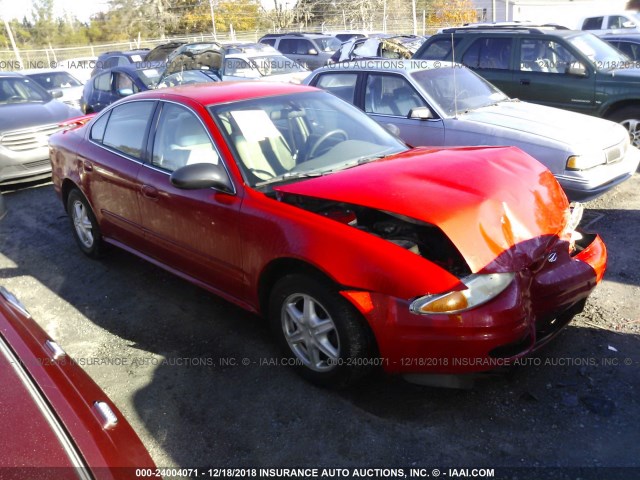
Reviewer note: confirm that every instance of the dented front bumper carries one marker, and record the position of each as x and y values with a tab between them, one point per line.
531	311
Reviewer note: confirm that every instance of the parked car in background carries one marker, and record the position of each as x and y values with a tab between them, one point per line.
56	80
194	56
119	59
447	104
162	52
80	67
311	50
118	82
346	36
548	65
28	116
613	22
387	46
246	188
257	61
627	43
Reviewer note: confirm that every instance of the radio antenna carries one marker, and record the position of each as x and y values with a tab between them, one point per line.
455	84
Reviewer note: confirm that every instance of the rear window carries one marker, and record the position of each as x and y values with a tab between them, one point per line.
593	23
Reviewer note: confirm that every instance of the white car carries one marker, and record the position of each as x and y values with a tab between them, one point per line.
437	103
55	80
80	67
256	61
621	22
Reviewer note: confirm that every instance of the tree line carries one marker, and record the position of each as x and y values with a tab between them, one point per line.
129	19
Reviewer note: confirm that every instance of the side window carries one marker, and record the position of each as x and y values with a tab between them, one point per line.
616	21
342	85
439	49
126	127
268	41
593	23
491	53
632	50
181	140
122	61
124	82
103	82
238	67
390	95
97	131
287	45
540	55
304	46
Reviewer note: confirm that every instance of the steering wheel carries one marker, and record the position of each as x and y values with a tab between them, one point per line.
324	138
257	172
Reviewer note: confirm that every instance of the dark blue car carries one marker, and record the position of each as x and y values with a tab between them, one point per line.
627	43
118	82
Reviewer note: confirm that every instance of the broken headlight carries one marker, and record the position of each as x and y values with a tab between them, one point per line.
480	289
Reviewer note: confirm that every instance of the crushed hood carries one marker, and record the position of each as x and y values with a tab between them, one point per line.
501	208
554	124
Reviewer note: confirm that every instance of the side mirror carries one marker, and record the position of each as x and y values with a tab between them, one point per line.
56	93
312	51
125	92
420	113
198	176
577	69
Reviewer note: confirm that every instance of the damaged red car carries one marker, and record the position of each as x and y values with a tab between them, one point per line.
362	252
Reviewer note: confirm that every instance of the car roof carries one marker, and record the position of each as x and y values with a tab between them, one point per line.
11	74
632	37
223	92
126	53
514	28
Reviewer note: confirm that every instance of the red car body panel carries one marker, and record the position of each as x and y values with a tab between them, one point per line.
502	210
472	198
27	439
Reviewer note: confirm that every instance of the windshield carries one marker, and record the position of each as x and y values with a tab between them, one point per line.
328	44
602	55
149	76
306	134
275	65
20	90
457	89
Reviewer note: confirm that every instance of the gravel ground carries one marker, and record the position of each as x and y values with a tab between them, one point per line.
171	356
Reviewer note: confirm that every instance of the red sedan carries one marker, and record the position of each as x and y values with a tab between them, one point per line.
361	251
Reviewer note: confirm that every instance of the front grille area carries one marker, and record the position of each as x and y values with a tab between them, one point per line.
617	152
28	139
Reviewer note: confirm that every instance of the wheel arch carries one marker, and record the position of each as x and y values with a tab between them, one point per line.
65	190
615	107
280	267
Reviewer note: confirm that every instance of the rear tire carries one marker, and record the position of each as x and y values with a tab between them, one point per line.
326	337
629	118
84	225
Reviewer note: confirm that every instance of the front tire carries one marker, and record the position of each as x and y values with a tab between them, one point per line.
84	225
629	118
327	338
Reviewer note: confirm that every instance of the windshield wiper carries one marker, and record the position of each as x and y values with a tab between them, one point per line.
289	176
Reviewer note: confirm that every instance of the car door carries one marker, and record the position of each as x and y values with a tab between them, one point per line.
194	232
110	166
550	73
100	94
389	98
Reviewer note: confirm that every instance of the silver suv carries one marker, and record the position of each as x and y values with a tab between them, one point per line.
313	50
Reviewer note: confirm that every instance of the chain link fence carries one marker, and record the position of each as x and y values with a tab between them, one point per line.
52	57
